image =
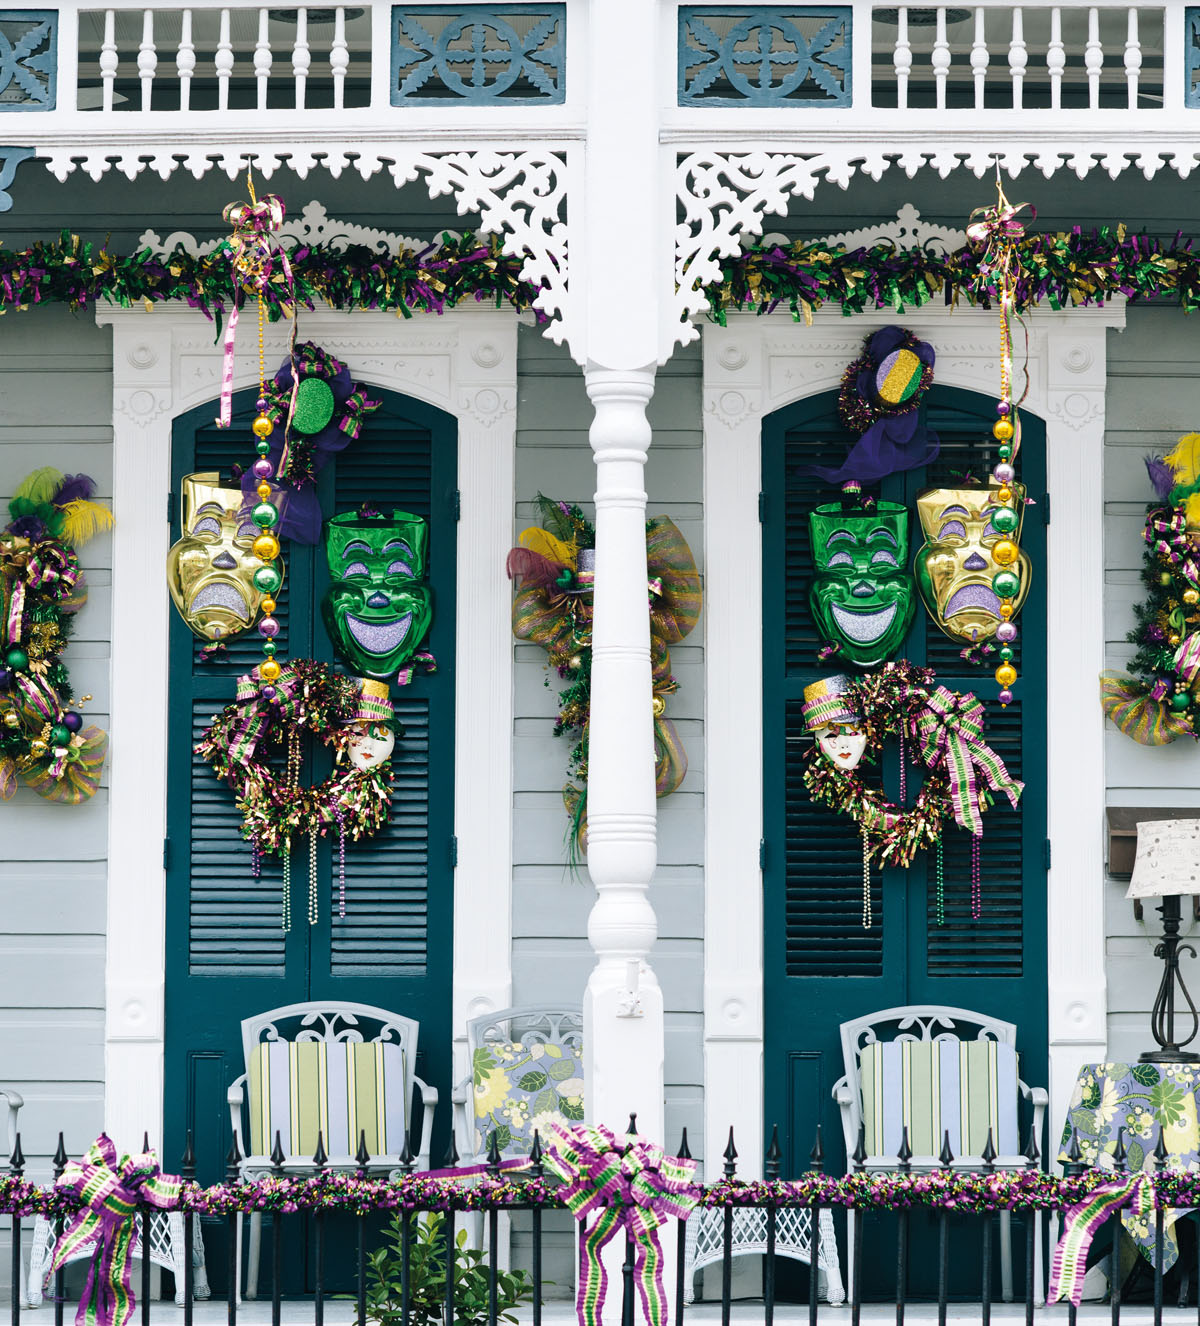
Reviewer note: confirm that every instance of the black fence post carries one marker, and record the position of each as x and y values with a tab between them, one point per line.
904	1158
684	1153
985	1293
451	1162
1032	1157
493	1234
16	1165
1160	1160
727	1236
946	1156
233	1221
771	1171
538	1172
277	1159
362	1158
1120	1157
628	1265
859	1158
320	1158
187	1172
1072	1169
144	1242
816	1159
60	1164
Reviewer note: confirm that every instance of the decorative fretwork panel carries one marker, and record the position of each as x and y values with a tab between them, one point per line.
764	55
508	53
28	59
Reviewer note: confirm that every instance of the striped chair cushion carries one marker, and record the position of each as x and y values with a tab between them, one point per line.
301	1088
965	1087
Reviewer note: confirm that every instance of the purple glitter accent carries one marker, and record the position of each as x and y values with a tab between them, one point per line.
973	597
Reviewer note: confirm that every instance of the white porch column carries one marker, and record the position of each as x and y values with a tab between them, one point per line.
623	1005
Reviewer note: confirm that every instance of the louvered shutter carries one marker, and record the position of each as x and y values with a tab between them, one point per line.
227	954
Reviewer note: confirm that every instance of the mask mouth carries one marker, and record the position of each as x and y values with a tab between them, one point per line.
379	637
974	598
864	628
221	594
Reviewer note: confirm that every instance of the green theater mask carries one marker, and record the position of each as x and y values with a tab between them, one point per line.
862	595
376	610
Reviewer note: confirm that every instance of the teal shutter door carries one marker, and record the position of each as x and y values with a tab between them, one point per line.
821	966
227	955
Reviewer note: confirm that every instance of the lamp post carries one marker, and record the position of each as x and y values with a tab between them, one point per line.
1167	866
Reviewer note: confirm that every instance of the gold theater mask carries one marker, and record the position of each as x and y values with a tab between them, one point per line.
210	571
954	567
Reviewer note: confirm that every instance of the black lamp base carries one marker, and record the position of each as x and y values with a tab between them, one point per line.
1162	1015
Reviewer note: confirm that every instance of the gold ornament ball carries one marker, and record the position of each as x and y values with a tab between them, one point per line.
1190	596
268	606
1006	674
269	670
37	748
266	547
263	490
659	705
1004	495
1173	641
11	719
1006	610
262	427
1005	552
575	662
1002	430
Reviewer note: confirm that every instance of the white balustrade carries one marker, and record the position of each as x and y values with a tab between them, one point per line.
109	60
979	58
339	58
1018	59
902	58
185	61
147	60
301	57
1094	58
1133	59
1056	59
941	58
224	62
262	57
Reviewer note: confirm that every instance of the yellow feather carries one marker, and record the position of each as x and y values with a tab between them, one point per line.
1185	459
1192	510
542	541
83	520
41	485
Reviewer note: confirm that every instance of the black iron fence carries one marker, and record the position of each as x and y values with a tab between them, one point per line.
959	1203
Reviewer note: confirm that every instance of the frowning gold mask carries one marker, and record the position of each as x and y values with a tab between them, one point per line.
954	567
210	571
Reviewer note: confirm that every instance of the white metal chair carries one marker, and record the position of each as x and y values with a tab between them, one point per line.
13	1100
930	1023
282	1050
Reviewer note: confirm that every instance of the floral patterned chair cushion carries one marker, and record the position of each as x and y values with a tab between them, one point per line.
519	1088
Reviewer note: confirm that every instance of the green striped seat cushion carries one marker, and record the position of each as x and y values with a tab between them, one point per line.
929	1087
300	1088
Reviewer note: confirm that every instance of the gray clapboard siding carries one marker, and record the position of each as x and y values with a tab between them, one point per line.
56	407
1153	398
551	955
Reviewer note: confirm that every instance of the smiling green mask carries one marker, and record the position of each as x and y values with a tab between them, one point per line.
862	595
376	610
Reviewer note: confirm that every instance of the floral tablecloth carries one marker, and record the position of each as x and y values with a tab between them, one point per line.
1144	1100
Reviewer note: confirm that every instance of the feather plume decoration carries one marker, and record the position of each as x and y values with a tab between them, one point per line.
543	542
1185	464
41	485
555	517
73	488
1161	477
83	520
532	568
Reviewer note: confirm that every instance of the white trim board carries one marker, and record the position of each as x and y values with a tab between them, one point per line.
165	362
753	367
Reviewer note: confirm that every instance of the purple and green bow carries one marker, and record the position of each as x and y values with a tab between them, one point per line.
1080	1224
950	731
257	715
113	1191
628	1184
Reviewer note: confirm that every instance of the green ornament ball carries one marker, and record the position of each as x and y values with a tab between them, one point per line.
1180	701
1005	519
1006	584
1004	452
267	579
262	446
59	735
314	406
269	648
264	515
1006	654
17	658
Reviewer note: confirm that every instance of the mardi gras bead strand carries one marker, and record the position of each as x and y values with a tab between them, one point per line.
940	875
866	910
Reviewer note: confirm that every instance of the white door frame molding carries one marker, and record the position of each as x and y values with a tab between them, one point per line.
165	363
755	366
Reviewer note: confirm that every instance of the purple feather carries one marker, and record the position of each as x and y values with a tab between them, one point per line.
29	527
1160	476
75	488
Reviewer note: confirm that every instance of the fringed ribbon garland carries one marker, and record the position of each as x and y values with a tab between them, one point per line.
113	1190
1080	1225
632	1186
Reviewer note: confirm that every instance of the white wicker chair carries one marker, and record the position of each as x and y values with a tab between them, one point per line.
333	1023
931	1022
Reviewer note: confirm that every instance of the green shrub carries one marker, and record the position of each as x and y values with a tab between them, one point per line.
427	1278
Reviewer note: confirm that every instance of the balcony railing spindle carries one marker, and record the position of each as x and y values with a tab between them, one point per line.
301	57
941	58
16	1165
904	1156
147	60
1133	58
727	1237
262	57
979	58
339	58
109	59
185	61
771	1171
902	58
1018	59
1056	59
816	1159
224	62
1093	58
60	1164
681	1244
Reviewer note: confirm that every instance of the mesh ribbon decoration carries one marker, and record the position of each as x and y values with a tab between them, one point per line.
1069	1264
629	1185
113	1190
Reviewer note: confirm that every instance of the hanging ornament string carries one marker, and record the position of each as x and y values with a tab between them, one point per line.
998	231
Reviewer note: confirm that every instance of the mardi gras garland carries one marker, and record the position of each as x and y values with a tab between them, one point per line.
43	740
555	565
1158	701
270	718
939	730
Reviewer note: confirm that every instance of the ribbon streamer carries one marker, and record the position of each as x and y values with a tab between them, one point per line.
950	732
1080	1225
113	1190
1141	717
632	1186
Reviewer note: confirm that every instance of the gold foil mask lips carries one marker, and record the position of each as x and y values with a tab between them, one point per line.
954	567
210	570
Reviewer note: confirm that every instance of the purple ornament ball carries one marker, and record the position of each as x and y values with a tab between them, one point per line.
1006	632
269	627
1004	473
72	721
1003	407
1005	697
263	468
5	679
268	692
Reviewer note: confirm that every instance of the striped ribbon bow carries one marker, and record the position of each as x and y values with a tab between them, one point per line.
631	1185
950	731
257	717
1080	1225
113	1190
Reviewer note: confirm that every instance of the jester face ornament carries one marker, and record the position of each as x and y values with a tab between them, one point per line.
862	595
376	610
954	567
371	744
210	571
842	744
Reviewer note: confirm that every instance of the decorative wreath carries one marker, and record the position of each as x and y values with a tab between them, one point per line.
270	717
941	731
43	740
